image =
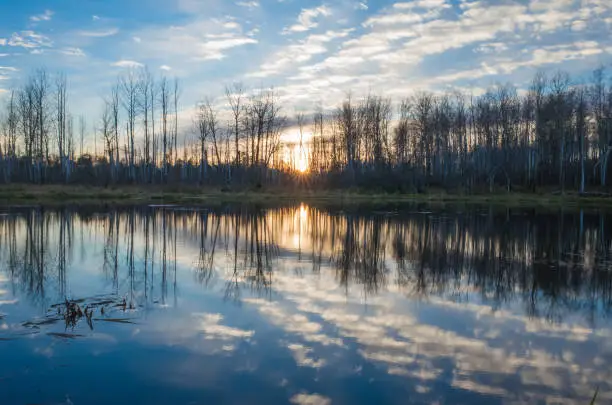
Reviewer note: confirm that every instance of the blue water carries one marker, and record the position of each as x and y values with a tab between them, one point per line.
303	305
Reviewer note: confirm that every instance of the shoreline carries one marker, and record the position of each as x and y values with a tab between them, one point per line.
61	195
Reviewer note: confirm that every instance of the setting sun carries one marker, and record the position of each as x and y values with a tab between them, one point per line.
297	157
301	159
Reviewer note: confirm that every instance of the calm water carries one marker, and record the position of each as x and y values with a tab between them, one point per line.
168	305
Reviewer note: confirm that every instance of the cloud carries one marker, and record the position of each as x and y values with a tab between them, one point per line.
29	40
425	4
308	330
296	54
199	40
310	399
9	68
210	325
46	16
248	4
402	342
99	33
127	64
301	354
307	17
2	41
72	51
579	25
211	50
504	65
165	67
398	46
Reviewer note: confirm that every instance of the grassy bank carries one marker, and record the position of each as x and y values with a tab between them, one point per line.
28	194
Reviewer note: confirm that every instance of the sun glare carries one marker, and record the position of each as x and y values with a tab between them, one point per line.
299	158
296	156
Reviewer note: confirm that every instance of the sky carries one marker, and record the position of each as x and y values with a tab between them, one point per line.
312	52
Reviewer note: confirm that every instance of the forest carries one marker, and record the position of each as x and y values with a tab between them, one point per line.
555	134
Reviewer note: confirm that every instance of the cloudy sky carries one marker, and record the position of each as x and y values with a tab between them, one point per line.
311	51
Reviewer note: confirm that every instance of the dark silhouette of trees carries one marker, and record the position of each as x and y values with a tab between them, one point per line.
555	134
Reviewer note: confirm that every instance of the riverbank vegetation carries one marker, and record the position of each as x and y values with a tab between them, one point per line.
554	135
270	197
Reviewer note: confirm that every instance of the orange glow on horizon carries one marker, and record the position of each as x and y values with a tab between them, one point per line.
297	158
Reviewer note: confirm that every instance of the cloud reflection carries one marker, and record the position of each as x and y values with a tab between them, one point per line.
472	304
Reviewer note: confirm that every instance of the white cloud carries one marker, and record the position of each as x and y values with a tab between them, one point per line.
9	68
302	357
296	54
310	399
213	50
210	325
396	41
231	25
390	337
72	51
29	40
95	17
165	67
248	4
579	25
137	39
127	64
392	19
503	65
46	16
209	39
407	15
307	19
426	4
99	33
491	47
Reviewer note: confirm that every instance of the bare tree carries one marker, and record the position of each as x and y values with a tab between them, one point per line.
146	86
129	88
234	97
203	127
60	93
164	99
175	98
108	135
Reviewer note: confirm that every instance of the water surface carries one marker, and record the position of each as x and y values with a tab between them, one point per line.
304	305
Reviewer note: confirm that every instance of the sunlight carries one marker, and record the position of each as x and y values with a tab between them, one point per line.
300	220
297	159
303	212
301	159
292	136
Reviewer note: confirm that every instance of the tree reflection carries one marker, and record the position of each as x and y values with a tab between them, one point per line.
554	264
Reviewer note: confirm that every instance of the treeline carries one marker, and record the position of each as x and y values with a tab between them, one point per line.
557	133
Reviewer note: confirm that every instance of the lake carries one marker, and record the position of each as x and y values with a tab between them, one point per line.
304	305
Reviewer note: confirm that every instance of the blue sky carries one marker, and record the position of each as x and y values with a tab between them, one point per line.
311	51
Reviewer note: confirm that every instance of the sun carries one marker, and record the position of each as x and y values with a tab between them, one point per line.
301	165
300	158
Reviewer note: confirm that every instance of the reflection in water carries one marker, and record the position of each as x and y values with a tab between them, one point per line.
476	306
